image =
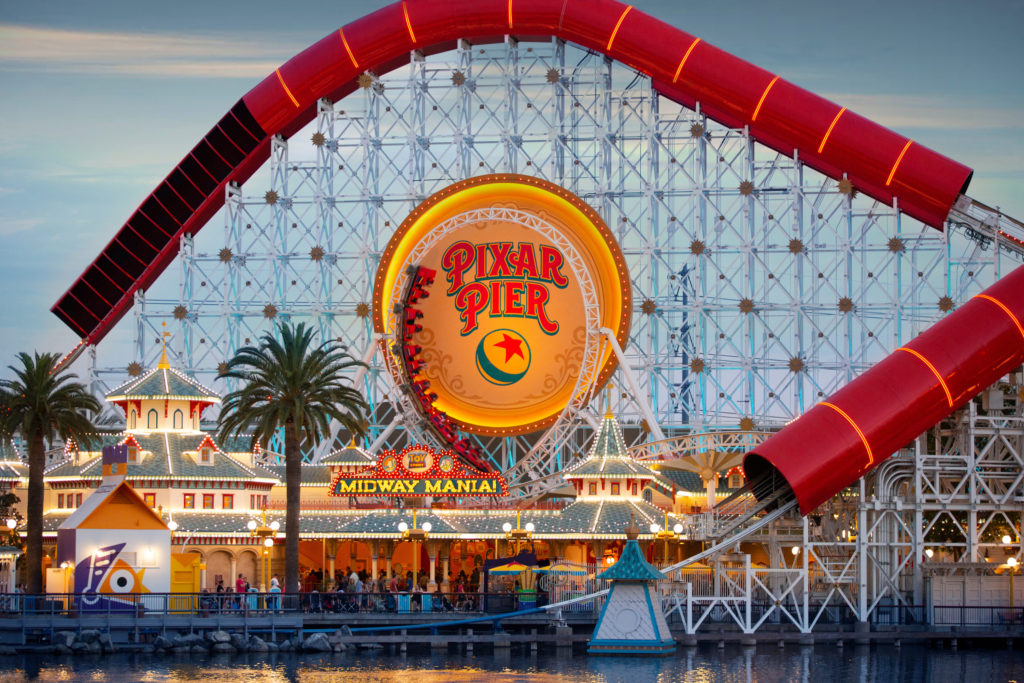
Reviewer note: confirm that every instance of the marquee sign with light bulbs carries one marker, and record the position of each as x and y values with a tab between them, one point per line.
495	346
419	471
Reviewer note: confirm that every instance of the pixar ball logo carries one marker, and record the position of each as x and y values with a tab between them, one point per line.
503	357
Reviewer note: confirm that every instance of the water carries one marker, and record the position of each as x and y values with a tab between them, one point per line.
706	664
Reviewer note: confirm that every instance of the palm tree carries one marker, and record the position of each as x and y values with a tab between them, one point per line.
294	385
42	404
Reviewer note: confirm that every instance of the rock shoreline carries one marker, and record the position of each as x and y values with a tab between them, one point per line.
91	641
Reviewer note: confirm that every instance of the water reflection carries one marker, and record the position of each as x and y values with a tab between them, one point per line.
707	664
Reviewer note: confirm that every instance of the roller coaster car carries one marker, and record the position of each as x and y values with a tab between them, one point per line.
418	293
410	351
412	314
411	330
424	277
414	366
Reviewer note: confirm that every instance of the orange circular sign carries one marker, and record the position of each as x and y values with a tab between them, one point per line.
526	275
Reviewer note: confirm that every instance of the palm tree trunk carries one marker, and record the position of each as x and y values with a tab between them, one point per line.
293	483
34	549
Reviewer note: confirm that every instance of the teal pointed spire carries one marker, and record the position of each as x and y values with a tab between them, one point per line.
632	567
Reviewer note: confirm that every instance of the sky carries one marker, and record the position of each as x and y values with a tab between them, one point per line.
99	100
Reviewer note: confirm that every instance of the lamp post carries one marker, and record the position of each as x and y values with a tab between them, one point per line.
266	533
416	535
665	535
1012	564
518	534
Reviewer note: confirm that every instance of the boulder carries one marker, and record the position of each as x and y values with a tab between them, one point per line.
273	647
147	650
258	645
106	644
317	643
297	641
65	638
62	650
198	649
161	643
187	641
222	647
81	648
344	631
238	642
7	650
286	646
340	647
95	647
89	635
218	636
183	650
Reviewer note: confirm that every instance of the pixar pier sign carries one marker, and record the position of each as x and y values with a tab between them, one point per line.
509	280
499	338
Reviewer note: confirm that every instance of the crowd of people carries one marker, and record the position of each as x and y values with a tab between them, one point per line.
353	591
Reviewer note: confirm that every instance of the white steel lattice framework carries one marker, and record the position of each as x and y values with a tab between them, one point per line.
760	286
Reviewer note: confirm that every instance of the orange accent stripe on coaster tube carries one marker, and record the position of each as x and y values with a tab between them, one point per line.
890	405
727	88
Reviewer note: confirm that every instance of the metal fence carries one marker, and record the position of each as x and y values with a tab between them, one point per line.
957	615
72	605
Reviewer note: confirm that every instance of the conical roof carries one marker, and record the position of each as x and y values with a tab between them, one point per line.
163	383
632	567
607	457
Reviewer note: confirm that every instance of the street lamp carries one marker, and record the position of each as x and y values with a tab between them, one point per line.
415	534
666	534
1012	563
518	534
266	533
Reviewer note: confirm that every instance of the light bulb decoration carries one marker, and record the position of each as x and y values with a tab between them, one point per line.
443	474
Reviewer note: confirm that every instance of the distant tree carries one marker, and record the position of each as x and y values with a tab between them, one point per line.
298	386
43	404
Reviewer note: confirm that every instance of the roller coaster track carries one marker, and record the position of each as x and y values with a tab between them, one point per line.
988	226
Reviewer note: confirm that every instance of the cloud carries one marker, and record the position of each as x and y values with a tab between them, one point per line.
27	48
915	111
9	226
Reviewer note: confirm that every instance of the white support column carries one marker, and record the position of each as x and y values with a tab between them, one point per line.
324	447
746	593
233	576
640	399
862	554
805	621
386	433
711	485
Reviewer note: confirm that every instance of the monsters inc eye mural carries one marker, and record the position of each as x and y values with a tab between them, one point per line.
104	574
